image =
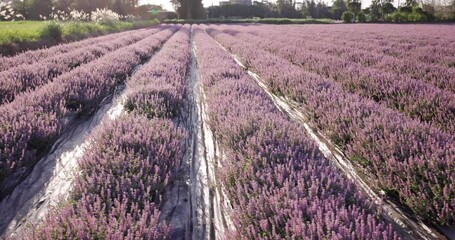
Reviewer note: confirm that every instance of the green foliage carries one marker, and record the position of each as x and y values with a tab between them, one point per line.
405	9
20	31
354	6
83	29
347	17
407	14
24	34
375	10
241	11
313	10
387	8
410	11
361	18
338	7
417	17
411	3
287	9
39	8
33	9
361	160
189	9
53	30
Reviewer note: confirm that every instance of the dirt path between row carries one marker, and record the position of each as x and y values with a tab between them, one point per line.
209	210
194	204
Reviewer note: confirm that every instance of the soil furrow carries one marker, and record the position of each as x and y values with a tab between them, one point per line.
208	209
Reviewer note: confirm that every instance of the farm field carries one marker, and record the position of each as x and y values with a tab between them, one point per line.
232	131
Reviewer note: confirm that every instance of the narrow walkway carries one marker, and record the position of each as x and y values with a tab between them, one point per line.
209	217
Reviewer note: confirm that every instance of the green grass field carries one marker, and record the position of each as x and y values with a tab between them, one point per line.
20	31
29	31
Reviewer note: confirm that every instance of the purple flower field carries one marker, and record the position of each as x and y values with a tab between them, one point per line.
241	131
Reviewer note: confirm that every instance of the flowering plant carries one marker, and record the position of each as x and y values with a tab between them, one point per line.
7	12
105	16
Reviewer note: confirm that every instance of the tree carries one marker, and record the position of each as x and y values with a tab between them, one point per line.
64	5
189	9
312	9
148	11
375	10
453	9
323	10
122	7
260	10
429	9
361	17
411	3
89	6
304	10
347	17
286	9
387	8
22	7
338	7
264	9
354	6
39	8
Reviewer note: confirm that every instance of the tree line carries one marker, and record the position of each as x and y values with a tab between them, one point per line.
37	9
346	10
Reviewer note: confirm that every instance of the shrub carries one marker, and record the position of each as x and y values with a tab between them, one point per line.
53	30
7	12
397	17
400	16
130	18
347	17
105	16
75	29
417	17
361	17
76	15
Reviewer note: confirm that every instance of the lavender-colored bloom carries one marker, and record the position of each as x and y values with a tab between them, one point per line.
279	184
413	97
123	177
408	158
130	162
34	56
28	77
31	123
